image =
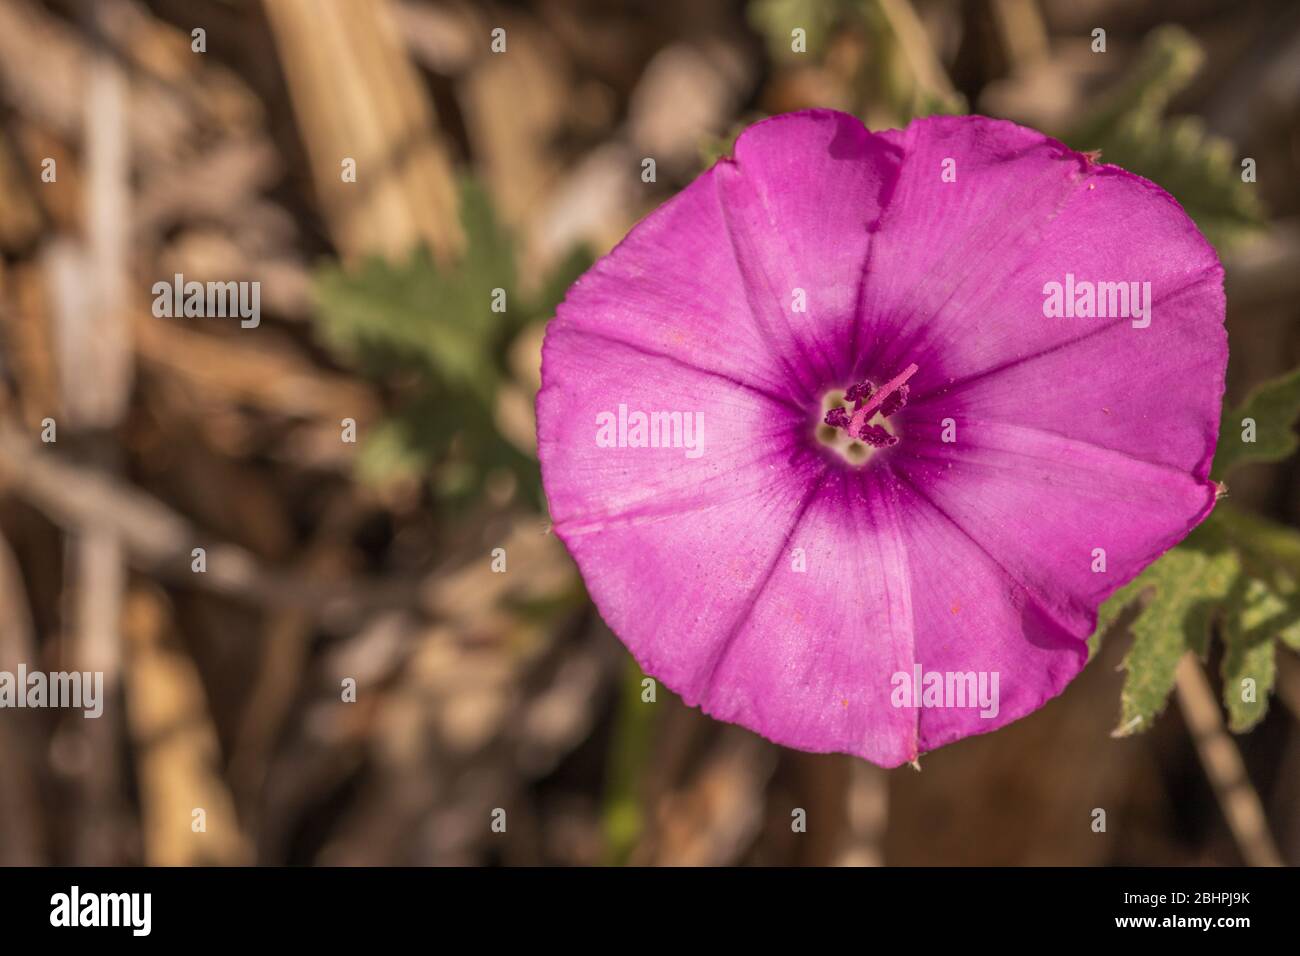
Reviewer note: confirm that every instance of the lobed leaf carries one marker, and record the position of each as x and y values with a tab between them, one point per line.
1267	415
1248	660
1128	125
1186	587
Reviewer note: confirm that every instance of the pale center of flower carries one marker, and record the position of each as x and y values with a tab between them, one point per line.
855	431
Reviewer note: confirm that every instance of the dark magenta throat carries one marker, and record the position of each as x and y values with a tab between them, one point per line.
868	401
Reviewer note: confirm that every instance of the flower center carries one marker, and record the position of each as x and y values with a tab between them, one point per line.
852	431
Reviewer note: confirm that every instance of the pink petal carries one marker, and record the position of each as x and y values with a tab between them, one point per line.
973	555
716	291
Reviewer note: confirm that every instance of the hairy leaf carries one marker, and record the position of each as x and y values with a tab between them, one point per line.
1248	658
411	312
1268	417
433	334
1128	125
1186	587
1237	575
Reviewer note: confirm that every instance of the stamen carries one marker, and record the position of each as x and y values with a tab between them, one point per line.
857	394
877	437
889	388
867	403
894	402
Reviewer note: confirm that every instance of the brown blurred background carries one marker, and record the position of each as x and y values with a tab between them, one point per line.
224	155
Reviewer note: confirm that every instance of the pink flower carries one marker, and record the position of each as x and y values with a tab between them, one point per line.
860	416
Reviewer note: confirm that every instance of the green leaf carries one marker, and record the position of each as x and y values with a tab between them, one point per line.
1115	606
408	312
431	333
775	19
542	303
1186	587
1270	556
903	72
907	70
1170	58
1128	125
1268	416
1238	574
1248	659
